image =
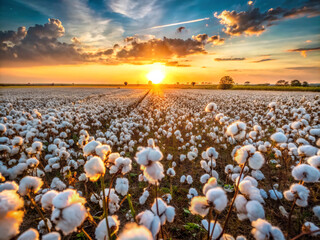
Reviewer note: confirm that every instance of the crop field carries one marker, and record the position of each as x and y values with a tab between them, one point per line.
129	163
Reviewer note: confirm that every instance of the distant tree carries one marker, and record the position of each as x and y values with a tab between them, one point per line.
226	82
178	83
305	84
247	83
149	82
295	83
125	83
282	82
193	83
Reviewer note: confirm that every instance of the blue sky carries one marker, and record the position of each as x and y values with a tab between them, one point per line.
280	33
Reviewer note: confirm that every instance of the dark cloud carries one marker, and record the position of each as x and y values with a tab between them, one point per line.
176	64
263	60
204	38
304	68
229	59
255	22
303	51
180	29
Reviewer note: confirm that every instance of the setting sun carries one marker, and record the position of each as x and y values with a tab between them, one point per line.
156	76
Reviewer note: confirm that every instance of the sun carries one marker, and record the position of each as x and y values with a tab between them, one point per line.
156	76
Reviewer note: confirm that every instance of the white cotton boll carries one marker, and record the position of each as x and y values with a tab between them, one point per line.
212	153
29	183
42	226
57	184
122	186
10	202
121	163
307	150
316	211
263	193
170	214
314	161
9	185
243	153
245	187
171	172
275	194
189	179
255	210
204	178
174	164
261	229
212	183
154	172
46	199
112	157
71	217
256	161
240	204
30	234
192	193
182	157
102	151
52	236
90	147
279	137
159	209
199	205
66	198
257	174
94	168
228	169
155	154
135	232
311	227
218	197
217	228
155	226
182	179
306	173
36	146
145	218
101	231
144	197
17	141
204	165
300	191
83	177
169	157
211	107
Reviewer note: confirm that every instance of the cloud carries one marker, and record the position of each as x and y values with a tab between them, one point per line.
229	59
254	22
204	38
135	9
263	60
40	45
304	68
303	51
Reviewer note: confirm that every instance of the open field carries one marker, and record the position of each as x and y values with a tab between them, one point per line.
62	137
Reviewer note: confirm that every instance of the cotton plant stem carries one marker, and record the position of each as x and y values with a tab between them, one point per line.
105	209
209	223
290	215
233	200
156	185
39	211
85	233
305	233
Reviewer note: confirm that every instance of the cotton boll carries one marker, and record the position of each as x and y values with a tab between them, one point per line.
217	228
211	153
309	226
306	173
9	185
275	194
29	183
316	211
57	184
199	205
154	172
255	210
46	199
67	198
257	174
256	160
300	192
171	172
204	178
121	163
218	198
192	193
52	236
101	231
122	186
278	137
94	168
90	147
189	179
102	151
145	218
71	217
170	213
182	179
30	234
134	232
314	161
212	183
211	107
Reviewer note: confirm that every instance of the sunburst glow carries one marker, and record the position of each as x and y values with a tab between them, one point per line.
156	76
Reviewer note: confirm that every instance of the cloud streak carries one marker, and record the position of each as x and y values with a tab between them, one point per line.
229	59
303	51
179	23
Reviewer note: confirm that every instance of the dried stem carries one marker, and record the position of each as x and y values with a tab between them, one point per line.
39	211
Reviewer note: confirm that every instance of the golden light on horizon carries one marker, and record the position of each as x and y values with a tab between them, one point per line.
156	76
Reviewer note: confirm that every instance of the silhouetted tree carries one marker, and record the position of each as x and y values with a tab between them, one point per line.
247	83
149	82
125	83
226	82
178	83
193	83
282	83
305	84
295	83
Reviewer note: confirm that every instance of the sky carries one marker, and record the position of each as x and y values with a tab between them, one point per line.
113	41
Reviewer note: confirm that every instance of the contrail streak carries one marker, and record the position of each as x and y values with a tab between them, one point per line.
186	22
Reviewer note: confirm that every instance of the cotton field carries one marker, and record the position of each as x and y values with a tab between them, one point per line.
90	163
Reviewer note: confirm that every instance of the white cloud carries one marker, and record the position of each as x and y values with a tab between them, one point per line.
135	9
